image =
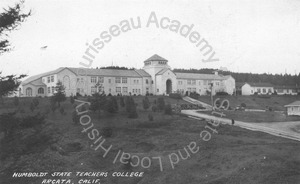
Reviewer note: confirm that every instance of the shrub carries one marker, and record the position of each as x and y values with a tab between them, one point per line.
75	117
161	103
111	105
53	106
72	99
62	111
243	105
131	108
9	123
175	95
154	108
222	93
32	106
32	121
122	103
16	101
146	103
168	109
35	102
194	95
150	117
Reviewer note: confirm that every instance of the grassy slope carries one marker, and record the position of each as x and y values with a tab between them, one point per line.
233	155
255	102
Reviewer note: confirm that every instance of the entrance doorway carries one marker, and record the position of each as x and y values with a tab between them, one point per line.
169	86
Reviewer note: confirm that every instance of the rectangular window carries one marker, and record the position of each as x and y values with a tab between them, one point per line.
199	83
258	90
49	90
100	79
52	78
147	81
118	79
217	83
193	82
139	91
179	82
118	89
52	89
93	90
189	82
264	90
124	80
48	79
157	90
189	89
132	90
125	90
93	79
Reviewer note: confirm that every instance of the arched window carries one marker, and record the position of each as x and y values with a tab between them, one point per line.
66	81
41	91
28	91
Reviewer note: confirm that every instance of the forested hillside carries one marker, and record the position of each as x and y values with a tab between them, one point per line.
277	79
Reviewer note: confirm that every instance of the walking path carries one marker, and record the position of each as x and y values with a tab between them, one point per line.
290	130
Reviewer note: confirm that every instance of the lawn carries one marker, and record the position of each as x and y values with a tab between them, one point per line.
233	155
277	102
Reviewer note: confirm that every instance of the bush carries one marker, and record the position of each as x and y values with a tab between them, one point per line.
168	109
146	103
194	95
75	117
35	102
150	117
62	111
154	108
222	93
122	103
243	105
131	108
175	95
32	106
72	99
161	103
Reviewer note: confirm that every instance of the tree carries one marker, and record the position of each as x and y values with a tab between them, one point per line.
131	108
122	103
9	84
10	19
168	109
60	95
146	103
161	103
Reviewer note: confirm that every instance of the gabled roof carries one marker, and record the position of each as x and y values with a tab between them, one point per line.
156	57
109	72
296	103
260	84
143	73
239	84
198	76
36	77
287	87
162	71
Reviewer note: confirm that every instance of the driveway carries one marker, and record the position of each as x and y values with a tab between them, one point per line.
290	130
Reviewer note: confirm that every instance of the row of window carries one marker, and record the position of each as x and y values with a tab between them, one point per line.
193	82
51	89
118	90
118	80
50	79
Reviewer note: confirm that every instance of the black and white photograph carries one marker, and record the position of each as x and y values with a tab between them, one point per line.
149	92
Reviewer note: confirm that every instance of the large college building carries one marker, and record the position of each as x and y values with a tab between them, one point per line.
155	78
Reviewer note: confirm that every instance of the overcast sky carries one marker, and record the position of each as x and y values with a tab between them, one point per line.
247	36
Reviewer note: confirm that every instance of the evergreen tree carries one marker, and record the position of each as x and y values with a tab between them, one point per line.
60	95
161	103
122	103
146	103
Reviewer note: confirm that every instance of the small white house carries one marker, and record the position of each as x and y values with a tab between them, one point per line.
259	88
293	108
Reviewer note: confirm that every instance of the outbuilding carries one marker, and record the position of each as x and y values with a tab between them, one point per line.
293	108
